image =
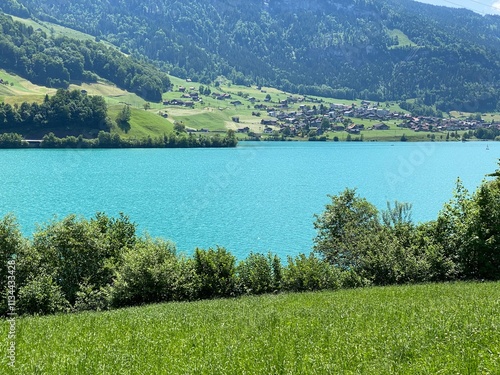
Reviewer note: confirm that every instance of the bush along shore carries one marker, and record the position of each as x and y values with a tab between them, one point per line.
108	140
101	263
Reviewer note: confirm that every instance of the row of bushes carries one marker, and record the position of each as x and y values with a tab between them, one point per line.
172	140
108	140
77	264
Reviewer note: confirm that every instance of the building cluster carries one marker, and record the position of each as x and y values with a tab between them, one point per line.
435	124
337	117
320	117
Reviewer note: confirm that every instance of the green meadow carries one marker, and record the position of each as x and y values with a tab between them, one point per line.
142	123
449	328
402	38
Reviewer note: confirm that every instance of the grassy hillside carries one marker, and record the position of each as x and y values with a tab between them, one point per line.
20	90
142	123
423	329
402	39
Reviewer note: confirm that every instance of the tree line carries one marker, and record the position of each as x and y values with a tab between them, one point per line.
108	140
100	263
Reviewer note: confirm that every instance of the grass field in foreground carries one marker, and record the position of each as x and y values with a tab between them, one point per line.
422	329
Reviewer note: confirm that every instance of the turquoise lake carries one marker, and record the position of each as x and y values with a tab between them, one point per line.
260	196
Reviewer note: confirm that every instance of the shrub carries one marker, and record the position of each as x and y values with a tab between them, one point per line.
468	229
152	272
351	279
41	295
216	271
259	274
343	229
82	251
309	274
90	298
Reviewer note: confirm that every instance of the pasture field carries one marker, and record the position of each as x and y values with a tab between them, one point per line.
142	123
421	329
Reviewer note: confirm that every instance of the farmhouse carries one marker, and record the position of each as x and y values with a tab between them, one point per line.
380	126
268	122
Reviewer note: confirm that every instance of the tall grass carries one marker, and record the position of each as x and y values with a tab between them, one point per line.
424	329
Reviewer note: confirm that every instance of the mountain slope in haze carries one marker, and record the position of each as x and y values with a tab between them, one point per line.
376	50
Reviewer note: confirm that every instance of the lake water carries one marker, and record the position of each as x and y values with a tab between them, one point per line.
258	196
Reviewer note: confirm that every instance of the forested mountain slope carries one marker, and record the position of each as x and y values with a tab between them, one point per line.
55	62
377	50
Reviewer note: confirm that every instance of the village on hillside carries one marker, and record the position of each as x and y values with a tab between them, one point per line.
305	116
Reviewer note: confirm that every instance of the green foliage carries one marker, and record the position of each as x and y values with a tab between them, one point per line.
54	62
394	257
343	229
76	251
14	8
309	274
12	243
150	272
67	112
216	270
482	133
108	140
468	229
123	119
12	140
68	255
462	244
485	263
259	274
398	215
179	127
41	295
88	298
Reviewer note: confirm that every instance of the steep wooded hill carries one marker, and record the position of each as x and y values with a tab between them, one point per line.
57	61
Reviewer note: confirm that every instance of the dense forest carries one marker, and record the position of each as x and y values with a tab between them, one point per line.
55	62
375	50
